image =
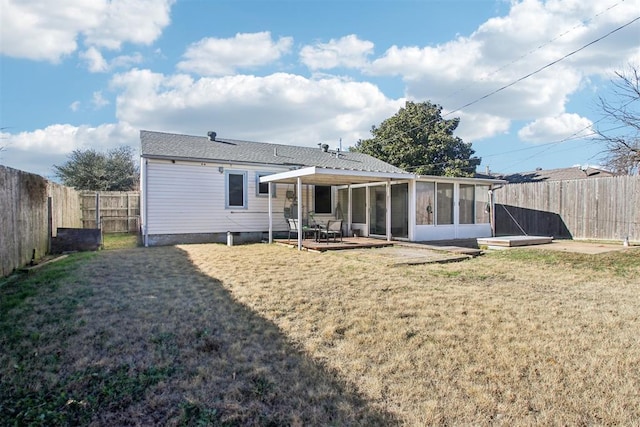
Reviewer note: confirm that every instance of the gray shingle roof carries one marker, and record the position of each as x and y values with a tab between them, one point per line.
561	174
176	146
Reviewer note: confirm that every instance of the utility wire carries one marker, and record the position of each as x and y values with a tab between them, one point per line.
500	89
575	136
550	64
548	42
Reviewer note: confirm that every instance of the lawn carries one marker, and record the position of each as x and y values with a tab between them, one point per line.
266	335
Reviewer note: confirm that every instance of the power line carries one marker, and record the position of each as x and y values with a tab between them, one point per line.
548	65
575	136
548	42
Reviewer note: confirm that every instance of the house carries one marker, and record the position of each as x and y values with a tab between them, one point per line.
200	188
561	174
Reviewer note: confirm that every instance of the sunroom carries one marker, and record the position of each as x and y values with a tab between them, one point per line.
399	206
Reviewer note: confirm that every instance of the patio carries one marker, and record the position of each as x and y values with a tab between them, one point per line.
346	243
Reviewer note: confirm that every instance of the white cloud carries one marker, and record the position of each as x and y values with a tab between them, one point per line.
477	126
217	57
64	138
281	107
125	61
40	30
139	22
550	129
98	100
75	106
39	150
505	49
95	61
348	51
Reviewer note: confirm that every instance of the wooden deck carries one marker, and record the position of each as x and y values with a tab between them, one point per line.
347	243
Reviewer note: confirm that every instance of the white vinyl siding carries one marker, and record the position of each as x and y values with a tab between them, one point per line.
189	197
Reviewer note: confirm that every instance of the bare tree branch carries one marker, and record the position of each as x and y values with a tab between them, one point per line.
622	143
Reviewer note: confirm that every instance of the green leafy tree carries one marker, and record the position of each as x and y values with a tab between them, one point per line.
419	140
92	170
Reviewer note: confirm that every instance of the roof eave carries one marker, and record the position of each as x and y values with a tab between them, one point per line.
213	160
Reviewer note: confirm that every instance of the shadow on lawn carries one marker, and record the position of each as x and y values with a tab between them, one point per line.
152	308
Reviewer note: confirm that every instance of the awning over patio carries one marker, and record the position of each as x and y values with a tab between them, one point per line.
315	175
323	176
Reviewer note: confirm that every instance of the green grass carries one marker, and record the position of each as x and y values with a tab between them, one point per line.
16	289
37	316
119	241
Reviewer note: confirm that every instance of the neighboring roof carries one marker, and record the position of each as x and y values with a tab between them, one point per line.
200	148
561	174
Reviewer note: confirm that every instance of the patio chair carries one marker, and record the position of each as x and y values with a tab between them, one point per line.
294	227
333	229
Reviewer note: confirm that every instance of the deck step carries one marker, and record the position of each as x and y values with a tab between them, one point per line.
514	241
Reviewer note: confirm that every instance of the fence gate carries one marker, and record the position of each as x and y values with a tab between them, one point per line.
112	211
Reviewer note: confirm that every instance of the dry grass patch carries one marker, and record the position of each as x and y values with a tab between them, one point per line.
512	337
267	335
141	336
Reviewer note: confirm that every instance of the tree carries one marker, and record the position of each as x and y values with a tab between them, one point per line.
91	170
419	140
622	141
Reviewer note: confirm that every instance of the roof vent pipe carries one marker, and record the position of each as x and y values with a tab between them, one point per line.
211	135
325	148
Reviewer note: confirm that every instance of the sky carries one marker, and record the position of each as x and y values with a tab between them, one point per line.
524	77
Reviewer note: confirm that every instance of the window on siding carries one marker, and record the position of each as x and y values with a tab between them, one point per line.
444	203
467	195
236	189
262	188
322	197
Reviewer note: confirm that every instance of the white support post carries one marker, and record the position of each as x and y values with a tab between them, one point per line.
299	213
349	212
388	216
270	212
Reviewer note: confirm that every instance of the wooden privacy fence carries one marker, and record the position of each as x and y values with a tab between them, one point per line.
31	210
597	208
112	211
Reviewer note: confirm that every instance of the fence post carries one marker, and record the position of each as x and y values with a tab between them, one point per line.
98	210
128	213
49	223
